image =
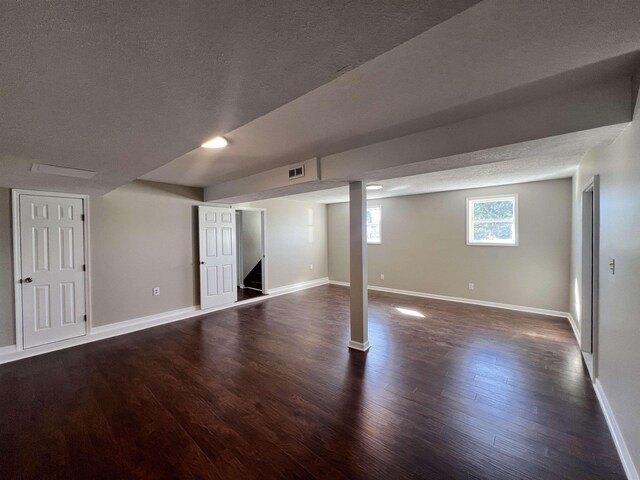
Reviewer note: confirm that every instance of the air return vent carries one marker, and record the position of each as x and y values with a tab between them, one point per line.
62	171
296	172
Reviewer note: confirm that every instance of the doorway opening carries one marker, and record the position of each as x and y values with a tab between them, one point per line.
590	263
250	245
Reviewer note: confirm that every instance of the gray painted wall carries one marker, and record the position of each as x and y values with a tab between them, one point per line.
251	240
144	235
619	326
7	320
296	238
424	249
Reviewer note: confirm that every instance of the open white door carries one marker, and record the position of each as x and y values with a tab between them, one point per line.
218	274
52	269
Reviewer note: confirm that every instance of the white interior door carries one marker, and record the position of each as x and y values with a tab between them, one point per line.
218	273
53	269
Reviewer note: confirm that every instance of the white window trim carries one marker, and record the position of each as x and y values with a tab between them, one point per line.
379	225
490	198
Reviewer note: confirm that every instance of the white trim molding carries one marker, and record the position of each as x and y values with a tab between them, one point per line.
298	286
575	328
621	446
11	352
8	350
506	306
363	347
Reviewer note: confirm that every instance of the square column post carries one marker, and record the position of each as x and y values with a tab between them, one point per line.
358	266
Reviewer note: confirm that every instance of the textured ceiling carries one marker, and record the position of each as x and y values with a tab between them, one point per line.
489	57
488	175
123	87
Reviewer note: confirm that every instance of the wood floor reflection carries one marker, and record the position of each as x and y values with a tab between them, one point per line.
269	390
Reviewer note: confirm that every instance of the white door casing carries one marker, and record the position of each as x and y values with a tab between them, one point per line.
218	272
52	265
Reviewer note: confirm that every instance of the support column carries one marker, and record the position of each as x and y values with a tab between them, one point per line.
358	266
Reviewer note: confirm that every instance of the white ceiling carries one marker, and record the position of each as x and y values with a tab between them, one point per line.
130	89
122	87
491	56
488	175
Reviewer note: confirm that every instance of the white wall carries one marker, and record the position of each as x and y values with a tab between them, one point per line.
250	234
424	247
296	238
618	333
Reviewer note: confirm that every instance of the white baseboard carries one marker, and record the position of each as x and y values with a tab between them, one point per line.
575	328
625	456
11	352
297	286
8	350
518	308
149	321
363	347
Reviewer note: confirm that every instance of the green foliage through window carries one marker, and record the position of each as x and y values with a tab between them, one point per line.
492	221
374	215
492	210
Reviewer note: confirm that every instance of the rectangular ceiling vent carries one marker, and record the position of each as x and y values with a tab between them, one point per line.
62	171
296	172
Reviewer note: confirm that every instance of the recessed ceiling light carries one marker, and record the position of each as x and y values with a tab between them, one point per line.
374	186
217	142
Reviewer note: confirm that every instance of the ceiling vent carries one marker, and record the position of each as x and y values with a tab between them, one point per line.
296	172
62	171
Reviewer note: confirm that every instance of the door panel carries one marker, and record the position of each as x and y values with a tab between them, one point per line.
212	281
227	278
52	260
227	241
41	307
212	241
217	256
68	303
66	249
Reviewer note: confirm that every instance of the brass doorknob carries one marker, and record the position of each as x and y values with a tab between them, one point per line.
28	280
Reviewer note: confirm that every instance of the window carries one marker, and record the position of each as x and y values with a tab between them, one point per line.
492	220
374	216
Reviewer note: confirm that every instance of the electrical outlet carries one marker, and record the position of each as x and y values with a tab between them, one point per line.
311	266
156	291
382	276
471	286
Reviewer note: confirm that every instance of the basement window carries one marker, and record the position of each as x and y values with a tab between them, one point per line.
492	220
374	220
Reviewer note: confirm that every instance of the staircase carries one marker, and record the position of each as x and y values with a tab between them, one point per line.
254	279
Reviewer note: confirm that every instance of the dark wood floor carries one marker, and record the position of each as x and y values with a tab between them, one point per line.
247	293
269	390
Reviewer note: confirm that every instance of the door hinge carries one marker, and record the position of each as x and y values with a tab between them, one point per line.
84	268
85	318
82	217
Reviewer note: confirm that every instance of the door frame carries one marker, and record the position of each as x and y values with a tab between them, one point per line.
590	268
263	234
17	257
